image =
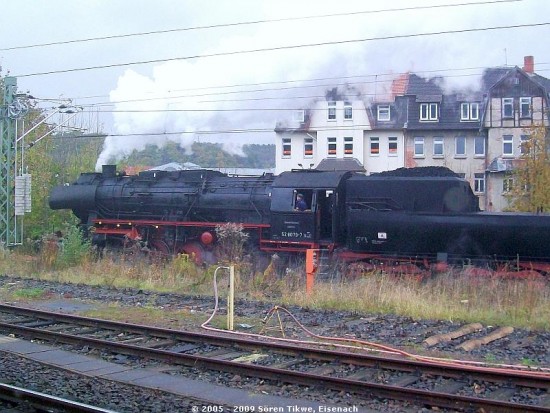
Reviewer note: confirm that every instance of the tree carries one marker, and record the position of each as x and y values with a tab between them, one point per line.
54	160
205	154
530	191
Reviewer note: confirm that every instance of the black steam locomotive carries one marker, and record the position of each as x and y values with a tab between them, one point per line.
356	217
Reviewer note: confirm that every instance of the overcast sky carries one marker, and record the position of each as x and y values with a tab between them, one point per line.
185	89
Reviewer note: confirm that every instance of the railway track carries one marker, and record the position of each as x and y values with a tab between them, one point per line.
20	399
446	385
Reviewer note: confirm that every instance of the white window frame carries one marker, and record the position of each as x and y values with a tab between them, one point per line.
383	113
419	143
331	113
391	151
374	146
348	111
469	111
438	147
287	143
479	183
508	145
507	106
462	140
348	146
331	142
478	139
429	112
525	107
299	116
308	147
464	111
474	111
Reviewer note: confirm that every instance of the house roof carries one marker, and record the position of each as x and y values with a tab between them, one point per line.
410	90
500	164
400	84
398	114
340	164
493	75
310	178
420	86
544	82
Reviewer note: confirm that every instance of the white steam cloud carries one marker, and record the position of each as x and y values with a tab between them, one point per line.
185	99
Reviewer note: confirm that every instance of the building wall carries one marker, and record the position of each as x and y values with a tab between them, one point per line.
495	119
468	164
320	129
496	199
386	158
504	140
486	172
285	162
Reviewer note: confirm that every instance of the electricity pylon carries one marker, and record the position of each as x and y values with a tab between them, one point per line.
12	188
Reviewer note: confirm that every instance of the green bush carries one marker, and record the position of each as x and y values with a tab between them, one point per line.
75	249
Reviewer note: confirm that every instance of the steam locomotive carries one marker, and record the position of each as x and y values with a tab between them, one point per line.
401	216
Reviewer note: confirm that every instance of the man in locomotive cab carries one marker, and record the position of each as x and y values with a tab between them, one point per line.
300	204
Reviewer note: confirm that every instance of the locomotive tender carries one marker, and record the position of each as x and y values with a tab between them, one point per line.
402	216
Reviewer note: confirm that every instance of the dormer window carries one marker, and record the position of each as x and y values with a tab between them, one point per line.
348	111
298	116
383	113
469	111
429	112
331	110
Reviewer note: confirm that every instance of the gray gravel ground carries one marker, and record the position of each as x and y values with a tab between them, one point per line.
28	374
521	347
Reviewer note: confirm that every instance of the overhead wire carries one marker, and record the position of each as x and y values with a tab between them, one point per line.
280	48
166	95
264	21
341	78
261	50
254	22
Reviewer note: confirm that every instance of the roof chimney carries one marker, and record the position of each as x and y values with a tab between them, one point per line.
400	85
529	64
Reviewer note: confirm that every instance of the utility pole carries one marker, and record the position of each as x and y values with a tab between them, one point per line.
14	190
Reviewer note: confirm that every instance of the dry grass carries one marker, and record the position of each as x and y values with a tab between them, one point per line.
451	296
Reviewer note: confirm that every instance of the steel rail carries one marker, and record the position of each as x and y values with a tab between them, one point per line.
42	400
296	377
523	378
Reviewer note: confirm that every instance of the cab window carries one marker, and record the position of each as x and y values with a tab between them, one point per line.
303	200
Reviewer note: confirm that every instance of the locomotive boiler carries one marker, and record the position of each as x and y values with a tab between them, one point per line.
352	216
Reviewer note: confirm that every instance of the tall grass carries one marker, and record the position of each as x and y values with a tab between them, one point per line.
451	296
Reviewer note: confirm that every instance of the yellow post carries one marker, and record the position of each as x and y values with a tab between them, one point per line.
231	299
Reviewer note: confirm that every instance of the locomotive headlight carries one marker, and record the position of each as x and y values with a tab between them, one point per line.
118	225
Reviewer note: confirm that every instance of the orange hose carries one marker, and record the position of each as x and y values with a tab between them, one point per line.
542	372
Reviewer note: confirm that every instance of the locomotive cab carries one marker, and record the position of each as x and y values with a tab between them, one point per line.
305	209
